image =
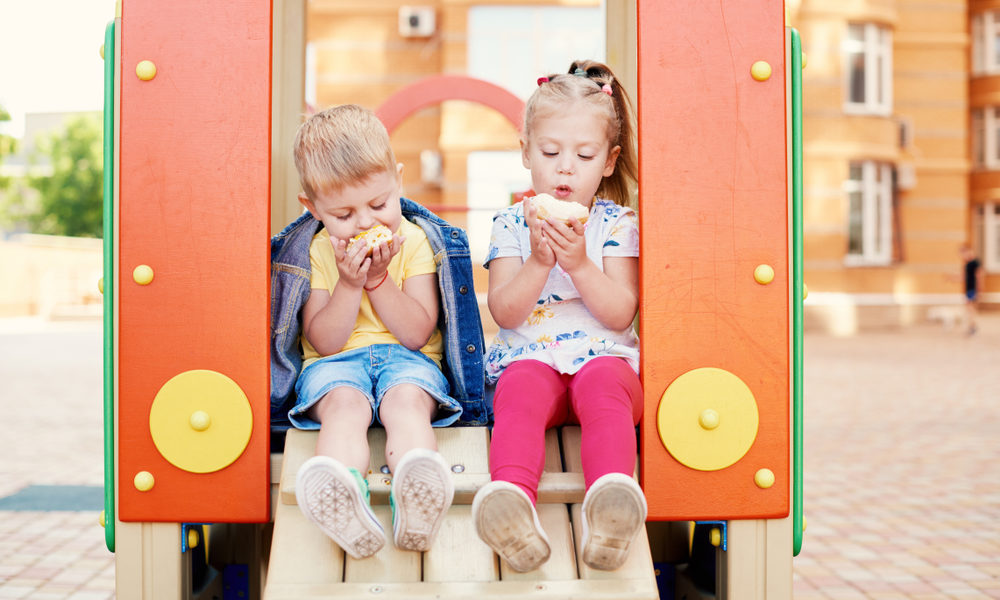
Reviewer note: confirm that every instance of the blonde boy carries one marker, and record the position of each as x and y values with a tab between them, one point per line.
371	349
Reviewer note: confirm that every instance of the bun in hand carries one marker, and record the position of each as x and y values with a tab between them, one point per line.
547	207
372	237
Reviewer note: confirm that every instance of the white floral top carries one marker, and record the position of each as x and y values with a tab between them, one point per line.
560	331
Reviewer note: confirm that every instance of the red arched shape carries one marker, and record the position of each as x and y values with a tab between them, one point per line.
436	89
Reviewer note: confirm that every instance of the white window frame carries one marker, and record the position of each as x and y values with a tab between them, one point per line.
986	37
987	217
875	187
985	136
876	49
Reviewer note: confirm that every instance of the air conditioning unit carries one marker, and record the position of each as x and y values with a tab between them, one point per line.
416	21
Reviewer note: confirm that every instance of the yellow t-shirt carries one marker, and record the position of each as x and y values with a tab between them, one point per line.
414	258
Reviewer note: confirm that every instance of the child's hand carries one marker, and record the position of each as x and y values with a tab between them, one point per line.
567	242
352	265
540	248
381	255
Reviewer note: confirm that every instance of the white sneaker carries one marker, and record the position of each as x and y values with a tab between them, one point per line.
336	499
422	491
614	510
507	521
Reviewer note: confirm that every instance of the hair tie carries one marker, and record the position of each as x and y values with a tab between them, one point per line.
542	80
579	72
606	88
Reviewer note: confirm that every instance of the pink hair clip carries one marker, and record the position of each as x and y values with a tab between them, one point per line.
606	88
542	80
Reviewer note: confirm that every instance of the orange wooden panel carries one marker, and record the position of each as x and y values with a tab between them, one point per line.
194	206
713	206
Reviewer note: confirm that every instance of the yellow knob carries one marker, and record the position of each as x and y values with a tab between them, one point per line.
200	420
805	59
100	285
804	523
763	274
805	291
193	538
145	70
715	537
764	478
102	520
143	274
708	419
102	51
760	71
143	481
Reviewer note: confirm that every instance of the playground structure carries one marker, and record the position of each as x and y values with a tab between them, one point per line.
198	122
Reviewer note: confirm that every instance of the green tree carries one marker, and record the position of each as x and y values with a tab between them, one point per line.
8	146
67	198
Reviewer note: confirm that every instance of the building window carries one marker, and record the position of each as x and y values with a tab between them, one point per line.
512	46
986	234
868	69
986	43
986	138
869	214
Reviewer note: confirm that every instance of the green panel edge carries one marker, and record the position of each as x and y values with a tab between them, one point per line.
797	290
109	286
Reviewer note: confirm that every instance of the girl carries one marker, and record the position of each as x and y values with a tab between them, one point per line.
564	296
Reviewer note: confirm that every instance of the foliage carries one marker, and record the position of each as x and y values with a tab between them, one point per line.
64	197
8	146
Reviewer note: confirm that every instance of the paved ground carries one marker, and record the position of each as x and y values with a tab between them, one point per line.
902	481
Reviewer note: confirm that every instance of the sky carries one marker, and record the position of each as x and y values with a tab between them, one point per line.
50	57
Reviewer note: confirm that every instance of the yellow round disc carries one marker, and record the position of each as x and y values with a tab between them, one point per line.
227	416
764	478
680	414
143	274
763	274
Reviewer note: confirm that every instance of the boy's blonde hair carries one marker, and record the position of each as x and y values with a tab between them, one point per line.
585	82
341	146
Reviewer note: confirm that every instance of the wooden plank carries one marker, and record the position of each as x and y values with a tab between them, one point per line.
465	448
561	565
388	565
300	553
553	452
458	554
149	563
592	590
637	569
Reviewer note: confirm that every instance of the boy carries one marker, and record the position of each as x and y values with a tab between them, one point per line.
371	349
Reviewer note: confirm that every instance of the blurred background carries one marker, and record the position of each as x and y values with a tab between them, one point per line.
901	167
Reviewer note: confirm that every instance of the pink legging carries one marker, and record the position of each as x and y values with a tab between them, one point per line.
604	397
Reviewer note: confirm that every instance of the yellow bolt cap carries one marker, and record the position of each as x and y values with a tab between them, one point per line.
102	51
805	59
763	274
715	537
145	70
760	71
764	478
143	274
200	421
805	291
101	519
708	419
100	285
143	481
193	538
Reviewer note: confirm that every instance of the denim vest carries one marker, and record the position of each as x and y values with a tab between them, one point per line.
458	319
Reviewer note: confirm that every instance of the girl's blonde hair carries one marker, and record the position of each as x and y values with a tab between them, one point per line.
585	81
341	146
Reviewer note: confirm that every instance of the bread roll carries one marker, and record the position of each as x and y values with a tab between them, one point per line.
372	237
559	210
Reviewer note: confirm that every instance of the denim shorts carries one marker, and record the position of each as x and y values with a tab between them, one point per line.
372	370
